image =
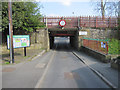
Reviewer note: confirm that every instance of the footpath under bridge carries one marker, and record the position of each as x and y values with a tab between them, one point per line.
72	25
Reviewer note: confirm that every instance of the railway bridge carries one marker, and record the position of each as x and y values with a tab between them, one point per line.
72	27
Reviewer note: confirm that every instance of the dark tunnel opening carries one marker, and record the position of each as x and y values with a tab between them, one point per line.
63	36
68	40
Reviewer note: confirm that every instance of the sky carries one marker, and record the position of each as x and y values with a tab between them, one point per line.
69	8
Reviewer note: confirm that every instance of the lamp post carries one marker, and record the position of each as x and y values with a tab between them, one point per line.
10	32
46	20
119	14
73	13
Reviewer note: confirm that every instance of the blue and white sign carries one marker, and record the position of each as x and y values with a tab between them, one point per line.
102	45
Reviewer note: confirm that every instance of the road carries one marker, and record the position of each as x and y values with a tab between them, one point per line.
66	71
58	68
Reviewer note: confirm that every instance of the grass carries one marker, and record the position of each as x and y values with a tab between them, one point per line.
7	62
19	57
114	45
31	58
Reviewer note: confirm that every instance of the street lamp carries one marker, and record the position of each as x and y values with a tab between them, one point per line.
73	13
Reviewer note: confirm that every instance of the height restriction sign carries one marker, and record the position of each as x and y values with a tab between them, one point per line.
62	23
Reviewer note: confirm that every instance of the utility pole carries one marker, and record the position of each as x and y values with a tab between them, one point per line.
46	21
10	32
119	9
119	14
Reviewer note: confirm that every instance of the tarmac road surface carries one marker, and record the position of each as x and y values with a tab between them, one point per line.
58	68
67	71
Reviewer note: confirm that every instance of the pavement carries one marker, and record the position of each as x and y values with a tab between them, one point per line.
58	68
24	75
103	68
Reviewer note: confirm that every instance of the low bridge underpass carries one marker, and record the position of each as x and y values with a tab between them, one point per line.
58	32
73	25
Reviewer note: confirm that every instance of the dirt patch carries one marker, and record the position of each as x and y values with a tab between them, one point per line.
64	57
31	52
8	69
71	75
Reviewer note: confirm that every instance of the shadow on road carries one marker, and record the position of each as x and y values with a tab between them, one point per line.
87	79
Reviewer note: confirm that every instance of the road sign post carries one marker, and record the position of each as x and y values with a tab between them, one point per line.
24	51
10	32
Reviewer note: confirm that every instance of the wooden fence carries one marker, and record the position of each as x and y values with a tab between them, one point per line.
98	45
73	22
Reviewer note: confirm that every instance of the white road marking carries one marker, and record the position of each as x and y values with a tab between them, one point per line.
38	55
39	83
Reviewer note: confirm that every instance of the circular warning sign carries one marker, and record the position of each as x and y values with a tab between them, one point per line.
62	23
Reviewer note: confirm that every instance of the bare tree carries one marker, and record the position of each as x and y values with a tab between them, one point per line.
107	8
119	9
100	7
112	8
103	4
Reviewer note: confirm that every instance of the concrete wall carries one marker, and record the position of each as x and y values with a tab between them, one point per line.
51	40
74	41
102	57
40	38
0	38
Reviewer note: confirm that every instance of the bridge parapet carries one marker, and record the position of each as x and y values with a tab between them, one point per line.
74	22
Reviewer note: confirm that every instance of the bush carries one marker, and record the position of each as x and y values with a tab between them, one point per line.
114	46
118	57
26	18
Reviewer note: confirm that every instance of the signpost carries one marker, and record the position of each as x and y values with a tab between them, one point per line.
82	32
19	41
